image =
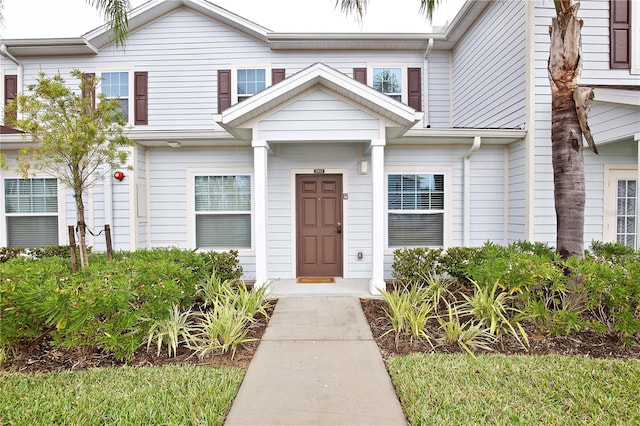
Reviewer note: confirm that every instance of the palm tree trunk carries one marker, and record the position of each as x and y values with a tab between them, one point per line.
568	176
564	68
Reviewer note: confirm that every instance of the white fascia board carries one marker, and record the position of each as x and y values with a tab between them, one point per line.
49	46
326	76
619	96
152	10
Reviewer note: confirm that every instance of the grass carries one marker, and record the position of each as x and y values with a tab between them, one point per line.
169	395
498	389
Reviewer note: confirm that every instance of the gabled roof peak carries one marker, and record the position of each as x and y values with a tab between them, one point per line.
153	9
398	116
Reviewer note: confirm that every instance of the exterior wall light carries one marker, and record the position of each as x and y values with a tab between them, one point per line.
363	167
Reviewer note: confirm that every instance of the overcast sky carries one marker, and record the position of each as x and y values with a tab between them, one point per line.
72	18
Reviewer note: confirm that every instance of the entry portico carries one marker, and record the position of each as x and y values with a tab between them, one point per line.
318	109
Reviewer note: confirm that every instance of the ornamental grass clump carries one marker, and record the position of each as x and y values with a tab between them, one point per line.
170	331
409	310
221	328
468	335
494	309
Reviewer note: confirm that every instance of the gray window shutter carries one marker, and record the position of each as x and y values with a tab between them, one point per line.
141	100
277	75
414	82
224	90
10	91
360	75
620	31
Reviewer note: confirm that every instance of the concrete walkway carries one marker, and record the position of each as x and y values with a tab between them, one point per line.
317	364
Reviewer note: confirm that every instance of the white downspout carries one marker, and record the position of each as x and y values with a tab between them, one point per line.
5	52
467	191
425	85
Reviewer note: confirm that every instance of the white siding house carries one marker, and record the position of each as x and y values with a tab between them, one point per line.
319	154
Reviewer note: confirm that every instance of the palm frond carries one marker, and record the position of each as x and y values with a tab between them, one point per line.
357	7
115	13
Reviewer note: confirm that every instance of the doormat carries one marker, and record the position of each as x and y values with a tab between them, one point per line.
316	280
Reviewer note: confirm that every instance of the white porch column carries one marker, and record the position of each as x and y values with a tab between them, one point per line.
260	152
377	208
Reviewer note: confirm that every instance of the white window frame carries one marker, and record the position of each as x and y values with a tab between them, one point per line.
60	214
130	79
447	212
191	206
613	173
404	94
234	79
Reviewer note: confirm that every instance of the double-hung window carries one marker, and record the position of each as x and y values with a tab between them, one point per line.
115	85
31	207
223	211
415	210
249	82
388	81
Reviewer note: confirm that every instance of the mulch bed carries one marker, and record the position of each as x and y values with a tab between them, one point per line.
43	357
585	343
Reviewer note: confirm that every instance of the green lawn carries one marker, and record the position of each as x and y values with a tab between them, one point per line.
434	389
532	390
171	395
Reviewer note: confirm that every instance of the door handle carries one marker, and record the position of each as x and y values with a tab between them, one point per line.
339	228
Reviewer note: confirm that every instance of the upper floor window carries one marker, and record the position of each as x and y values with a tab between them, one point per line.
415	210
388	81
115	85
249	82
31	207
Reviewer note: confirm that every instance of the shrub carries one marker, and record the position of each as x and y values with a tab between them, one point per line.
106	305
456	260
8	253
612	252
412	265
611	293
535	248
226	264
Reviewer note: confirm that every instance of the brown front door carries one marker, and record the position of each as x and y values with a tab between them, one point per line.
319	225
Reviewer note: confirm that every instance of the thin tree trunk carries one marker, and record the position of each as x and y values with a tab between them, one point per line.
564	68
82	229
